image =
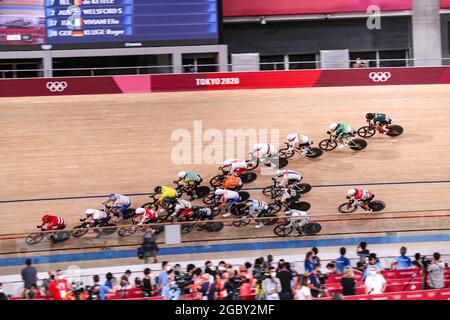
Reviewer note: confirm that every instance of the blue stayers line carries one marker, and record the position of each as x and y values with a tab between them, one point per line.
270	245
315	186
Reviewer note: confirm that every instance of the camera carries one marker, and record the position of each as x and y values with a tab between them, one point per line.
425	262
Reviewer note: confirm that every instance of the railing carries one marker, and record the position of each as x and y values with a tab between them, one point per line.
199	68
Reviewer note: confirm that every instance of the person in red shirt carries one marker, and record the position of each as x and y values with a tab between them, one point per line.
362	196
53	222
59	288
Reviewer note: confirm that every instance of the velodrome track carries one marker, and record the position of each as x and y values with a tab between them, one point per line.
62	154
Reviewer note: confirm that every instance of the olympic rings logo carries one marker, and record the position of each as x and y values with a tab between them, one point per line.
56	86
380	76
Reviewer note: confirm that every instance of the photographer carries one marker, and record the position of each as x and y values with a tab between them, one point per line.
436	271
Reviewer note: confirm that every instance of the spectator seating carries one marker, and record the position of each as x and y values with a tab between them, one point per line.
443	294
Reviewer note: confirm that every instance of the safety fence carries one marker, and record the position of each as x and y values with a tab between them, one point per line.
223	81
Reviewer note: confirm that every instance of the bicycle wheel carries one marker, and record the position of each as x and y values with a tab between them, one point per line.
268	191
282	231
239	209
311	228
186	228
314	153
241	223
274	208
286	153
34	238
344	208
301	206
377	205
394	131
217	226
202	191
366	131
127	231
244	196
248	177
209	199
327	145
79	233
358	144
302	187
217	181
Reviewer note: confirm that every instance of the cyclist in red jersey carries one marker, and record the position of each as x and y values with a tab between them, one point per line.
362	196
53	222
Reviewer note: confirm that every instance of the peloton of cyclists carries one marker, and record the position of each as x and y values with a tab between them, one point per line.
362	196
120	204
379	120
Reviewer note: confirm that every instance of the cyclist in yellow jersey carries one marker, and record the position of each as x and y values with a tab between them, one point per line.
168	195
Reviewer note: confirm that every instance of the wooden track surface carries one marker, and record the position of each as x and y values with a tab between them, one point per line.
70	146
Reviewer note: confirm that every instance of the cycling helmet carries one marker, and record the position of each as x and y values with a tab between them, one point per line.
279	173
140	211
181	174
113	196
370	116
158	189
89	212
219	192
351	192
46	218
333	126
290	137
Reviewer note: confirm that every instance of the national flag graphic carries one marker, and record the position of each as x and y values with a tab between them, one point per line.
77	2
77	33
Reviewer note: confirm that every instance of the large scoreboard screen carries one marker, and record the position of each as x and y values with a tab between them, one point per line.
107	23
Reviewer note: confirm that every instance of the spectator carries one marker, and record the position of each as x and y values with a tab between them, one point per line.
316	259
417	263
337	296
436	271
303	292
163	277
272	285
124	283
360	268
128	274
208	288
137	283
149	245
280	264
249	268
317	290
373	261
348	282
29	274
309	261
147	287
170	290
267	264
108	286
33	293
285	277
401	262
375	282
221	268
362	251
208	268
46	282
94	290
222	279
59	287
331	268
3	296
342	261
359	63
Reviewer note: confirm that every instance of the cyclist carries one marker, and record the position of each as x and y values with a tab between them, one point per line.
191	181
97	217
298	220
289	177
149	215
53	222
227	198
342	132
182	207
265	152
363	197
120	204
202	213
258	208
168	195
232	182
379	120
237	166
303	142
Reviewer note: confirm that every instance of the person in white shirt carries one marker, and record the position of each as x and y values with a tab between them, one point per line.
265	152
303	292
375	282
